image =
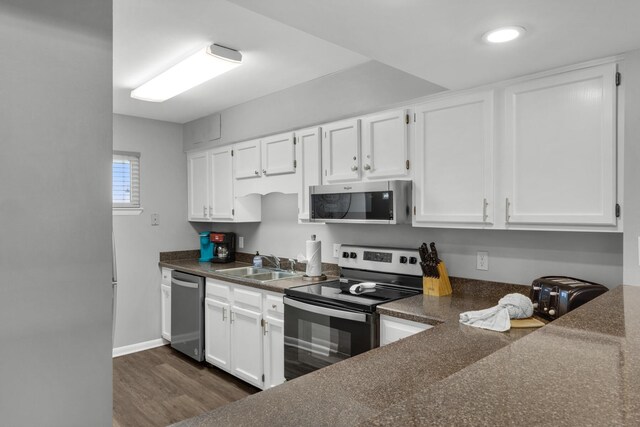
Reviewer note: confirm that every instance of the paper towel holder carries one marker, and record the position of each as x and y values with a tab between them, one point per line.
319	278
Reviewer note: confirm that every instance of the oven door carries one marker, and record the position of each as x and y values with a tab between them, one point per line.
317	335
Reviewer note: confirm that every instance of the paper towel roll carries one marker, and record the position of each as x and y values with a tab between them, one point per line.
314	258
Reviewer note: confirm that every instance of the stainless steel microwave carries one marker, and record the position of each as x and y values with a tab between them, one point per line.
383	202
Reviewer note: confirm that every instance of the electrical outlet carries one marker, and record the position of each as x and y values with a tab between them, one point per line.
240	242
482	261
155	219
336	250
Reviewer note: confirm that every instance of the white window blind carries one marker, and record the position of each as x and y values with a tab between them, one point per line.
126	179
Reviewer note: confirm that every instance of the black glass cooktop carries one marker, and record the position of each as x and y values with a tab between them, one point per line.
338	293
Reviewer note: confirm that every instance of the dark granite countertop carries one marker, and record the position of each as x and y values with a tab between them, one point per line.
208	269
391	384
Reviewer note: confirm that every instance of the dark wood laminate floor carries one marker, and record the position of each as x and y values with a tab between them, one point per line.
161	386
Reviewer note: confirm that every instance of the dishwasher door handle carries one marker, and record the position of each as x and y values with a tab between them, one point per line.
184	284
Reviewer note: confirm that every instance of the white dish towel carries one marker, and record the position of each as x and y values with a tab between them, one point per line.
498	318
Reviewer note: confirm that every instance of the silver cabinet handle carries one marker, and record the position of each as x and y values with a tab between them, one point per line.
256	172
264	171
210	211
231	316
224	314
366	167
484	210
265	329
354	168
204	210
507	206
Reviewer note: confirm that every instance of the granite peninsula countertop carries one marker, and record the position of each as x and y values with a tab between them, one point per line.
208	269
582	369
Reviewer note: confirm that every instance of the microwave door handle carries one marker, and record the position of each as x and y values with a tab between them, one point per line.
324	311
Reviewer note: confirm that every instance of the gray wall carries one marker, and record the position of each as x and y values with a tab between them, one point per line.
361	89
55	207
163	180
514	256
631	205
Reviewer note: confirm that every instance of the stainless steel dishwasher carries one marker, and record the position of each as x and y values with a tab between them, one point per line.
187	314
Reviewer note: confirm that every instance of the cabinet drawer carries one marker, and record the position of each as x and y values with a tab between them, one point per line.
247	298
273	304
394	329
218	290
166	276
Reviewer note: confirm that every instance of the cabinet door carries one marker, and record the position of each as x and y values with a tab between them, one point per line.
308	154
198	186
385	147
221	182
217	341
246	345
561	149
278	154
454	167
341	151
273	331
165	309
247	160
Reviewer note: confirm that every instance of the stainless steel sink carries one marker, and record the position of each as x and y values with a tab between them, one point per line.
259	274
272	275
243	271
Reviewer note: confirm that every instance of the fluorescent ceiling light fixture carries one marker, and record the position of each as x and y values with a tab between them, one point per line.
504	34
205	64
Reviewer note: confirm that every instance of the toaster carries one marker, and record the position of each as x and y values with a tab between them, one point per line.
553	296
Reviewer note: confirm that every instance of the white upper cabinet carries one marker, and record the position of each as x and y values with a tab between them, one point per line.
198	182
454	169
308	154
278	154
341	151
247	160
385	148
560	149
221	183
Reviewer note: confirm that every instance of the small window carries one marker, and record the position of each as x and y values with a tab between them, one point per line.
126	180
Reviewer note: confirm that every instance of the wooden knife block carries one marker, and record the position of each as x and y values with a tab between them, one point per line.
437	287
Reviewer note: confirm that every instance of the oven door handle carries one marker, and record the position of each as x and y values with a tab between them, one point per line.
323	311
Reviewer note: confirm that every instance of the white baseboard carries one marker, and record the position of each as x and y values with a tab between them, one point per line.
134	348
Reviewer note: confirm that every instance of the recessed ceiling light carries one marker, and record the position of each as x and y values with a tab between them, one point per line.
502	35
205	64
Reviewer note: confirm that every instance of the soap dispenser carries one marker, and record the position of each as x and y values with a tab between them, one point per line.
257	260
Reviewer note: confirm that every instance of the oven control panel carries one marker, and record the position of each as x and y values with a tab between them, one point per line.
389	260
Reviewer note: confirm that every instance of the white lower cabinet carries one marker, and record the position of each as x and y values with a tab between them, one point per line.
165	303
393	329
244	333
217	333
273	341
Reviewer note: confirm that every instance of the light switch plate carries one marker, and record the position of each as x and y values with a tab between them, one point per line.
240	242
155	219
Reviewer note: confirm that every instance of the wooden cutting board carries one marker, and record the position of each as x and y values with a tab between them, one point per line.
529	322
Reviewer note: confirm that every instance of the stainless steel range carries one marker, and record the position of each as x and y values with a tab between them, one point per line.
331	321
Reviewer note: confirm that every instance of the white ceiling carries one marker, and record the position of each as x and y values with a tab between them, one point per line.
151	35
288	42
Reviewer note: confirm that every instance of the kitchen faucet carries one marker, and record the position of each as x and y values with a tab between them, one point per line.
273	260
292	265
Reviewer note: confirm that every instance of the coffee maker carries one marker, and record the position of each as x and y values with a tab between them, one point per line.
225	246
